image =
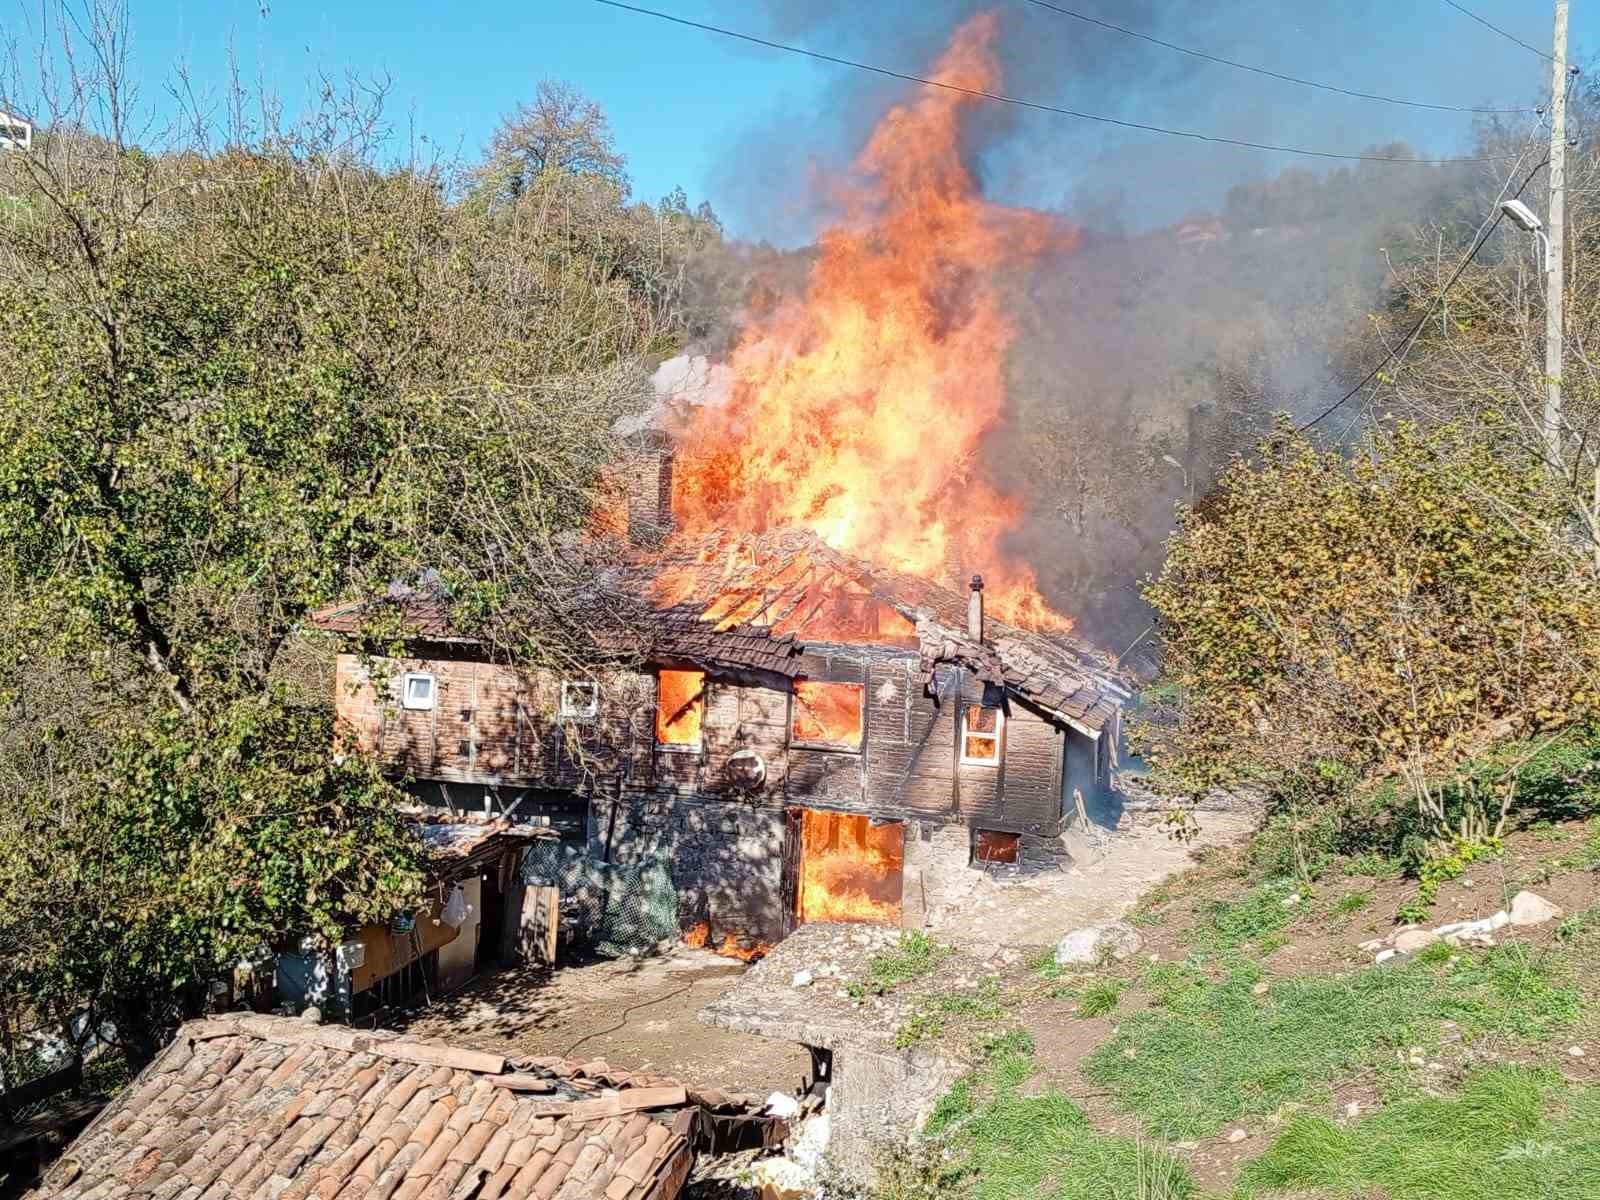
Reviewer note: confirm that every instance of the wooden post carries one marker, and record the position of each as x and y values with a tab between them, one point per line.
547	924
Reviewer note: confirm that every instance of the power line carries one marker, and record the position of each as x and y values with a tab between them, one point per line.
1239	66
1510	36
1411	335
1017	102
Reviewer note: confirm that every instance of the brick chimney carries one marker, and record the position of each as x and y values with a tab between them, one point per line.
975	610
647	480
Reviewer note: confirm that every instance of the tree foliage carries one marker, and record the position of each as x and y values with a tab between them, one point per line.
245	373
1391	610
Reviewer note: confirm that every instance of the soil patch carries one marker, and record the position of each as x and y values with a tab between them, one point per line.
637	1013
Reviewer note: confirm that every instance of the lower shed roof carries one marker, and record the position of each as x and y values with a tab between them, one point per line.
278	1108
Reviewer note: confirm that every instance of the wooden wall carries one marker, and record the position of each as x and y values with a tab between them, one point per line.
494	726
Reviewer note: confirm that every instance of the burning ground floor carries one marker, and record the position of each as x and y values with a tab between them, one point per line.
803	1020
737	878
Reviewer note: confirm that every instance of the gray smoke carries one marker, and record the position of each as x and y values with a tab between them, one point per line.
1213	284
1423	52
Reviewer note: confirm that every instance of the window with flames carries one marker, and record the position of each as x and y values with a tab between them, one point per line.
982	729
828	715
680	709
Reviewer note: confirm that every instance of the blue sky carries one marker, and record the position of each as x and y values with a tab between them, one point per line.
738	125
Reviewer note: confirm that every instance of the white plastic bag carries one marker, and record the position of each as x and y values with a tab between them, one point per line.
456	908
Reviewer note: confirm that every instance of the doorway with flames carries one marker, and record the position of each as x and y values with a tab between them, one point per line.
840	866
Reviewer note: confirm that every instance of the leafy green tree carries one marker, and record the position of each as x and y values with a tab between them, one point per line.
237	384
1394	611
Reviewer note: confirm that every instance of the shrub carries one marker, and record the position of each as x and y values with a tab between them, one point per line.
1404	605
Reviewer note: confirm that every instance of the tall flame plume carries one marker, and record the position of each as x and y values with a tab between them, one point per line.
858	408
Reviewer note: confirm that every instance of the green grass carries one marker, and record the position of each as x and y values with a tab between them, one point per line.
1510	1134
1100	997
1045	966
986	1002
1579	926
1587	853
1230	925
987	1141
1351	902
1211	1052
913	957
920	1026
1374	865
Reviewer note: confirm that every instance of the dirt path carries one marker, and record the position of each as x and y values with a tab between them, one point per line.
640	1013
1103	884
634	1013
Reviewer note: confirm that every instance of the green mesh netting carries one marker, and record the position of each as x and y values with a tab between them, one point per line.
615	908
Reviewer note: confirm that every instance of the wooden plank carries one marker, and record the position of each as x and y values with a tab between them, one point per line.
443	1056
42	1088
547	923
631	1100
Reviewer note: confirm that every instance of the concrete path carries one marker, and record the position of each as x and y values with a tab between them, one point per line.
1102	884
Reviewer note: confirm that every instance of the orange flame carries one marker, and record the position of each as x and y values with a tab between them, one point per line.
680	704
698	937
858	409
850	869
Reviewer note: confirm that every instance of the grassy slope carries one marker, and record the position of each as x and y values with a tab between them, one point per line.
1508	1134
1464	1049
1210	1052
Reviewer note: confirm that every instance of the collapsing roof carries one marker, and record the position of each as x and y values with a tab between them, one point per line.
756	602
760	600
280	1109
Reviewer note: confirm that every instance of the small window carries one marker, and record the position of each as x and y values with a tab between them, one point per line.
981	730
827	714
995	846
580	700
416	690
680	705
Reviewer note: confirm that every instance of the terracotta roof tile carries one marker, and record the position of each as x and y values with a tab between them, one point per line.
267	1108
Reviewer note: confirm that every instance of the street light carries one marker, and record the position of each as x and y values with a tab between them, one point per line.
1525	219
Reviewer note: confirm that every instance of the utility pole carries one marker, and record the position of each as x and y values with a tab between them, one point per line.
1555	275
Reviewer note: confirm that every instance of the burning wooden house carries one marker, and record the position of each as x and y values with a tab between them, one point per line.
811	738
828	723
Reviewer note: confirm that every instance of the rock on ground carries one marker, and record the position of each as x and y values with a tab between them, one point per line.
1409	941
1109	939
1529	908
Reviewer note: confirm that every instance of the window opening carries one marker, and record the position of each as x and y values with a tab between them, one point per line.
580	699
981	730
680	708
828	714
995	846
417	690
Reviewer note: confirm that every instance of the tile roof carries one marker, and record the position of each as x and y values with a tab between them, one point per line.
756	601
764	598
421	613
276	1108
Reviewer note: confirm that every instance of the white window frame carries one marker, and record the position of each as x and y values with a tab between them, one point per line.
414	704
589	709
999	736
